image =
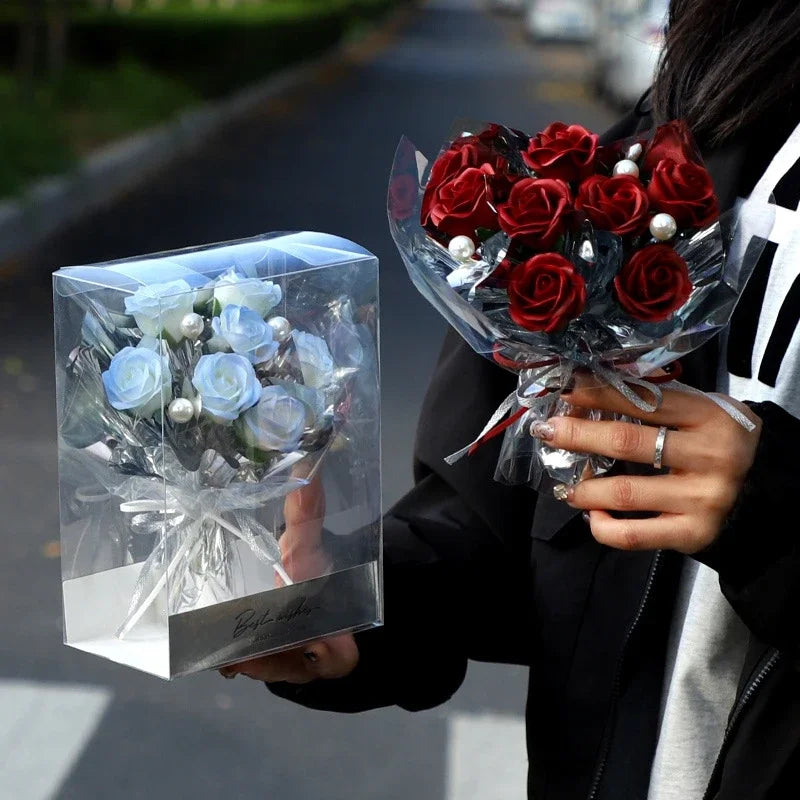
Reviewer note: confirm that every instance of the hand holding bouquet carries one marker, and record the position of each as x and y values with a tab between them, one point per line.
554	254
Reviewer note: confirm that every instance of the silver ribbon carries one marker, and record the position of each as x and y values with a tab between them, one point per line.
522	397
194	519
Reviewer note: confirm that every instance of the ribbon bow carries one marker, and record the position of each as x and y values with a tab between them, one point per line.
542	383
194	512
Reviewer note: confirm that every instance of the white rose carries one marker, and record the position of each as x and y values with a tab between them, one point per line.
138	380
161	307
276	423
203	296
316	361
232	289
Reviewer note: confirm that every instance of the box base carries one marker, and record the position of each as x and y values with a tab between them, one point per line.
220	633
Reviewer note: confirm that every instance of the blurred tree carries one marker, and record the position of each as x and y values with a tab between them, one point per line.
57	36
42	40
30	24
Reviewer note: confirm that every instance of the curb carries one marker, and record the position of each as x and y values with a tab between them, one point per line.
53	203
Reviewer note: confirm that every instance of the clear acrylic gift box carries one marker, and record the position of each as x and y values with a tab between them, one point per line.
219	450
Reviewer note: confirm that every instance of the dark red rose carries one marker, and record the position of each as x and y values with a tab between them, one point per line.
478	150
618	205
536	212
465	203
653	284
566	152
402	196
674	141
490	133
545	293
685	191
504	180
607	156
464	153
503	271
474	149
459	157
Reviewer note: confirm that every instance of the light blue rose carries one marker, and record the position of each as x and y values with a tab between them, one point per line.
232	289
246	333
227	385
161	307
138	380
276	423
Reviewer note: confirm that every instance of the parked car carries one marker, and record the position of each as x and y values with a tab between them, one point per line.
613	17
570	20
632	57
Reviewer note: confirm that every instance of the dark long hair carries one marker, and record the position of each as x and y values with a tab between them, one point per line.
728	63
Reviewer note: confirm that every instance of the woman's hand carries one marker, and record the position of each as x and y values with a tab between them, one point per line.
303	557
707	452
335	657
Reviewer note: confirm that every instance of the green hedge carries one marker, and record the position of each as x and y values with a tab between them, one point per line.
213	51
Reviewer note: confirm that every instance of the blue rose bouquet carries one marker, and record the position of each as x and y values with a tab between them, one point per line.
198	393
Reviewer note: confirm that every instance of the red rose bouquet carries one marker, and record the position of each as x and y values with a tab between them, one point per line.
554	253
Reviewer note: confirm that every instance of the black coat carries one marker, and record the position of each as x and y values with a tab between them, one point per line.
478	570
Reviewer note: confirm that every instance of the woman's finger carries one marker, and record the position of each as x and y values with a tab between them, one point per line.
338	656
678	409
660	493
290	666
626	441
301	542
334	657
665	532
304	508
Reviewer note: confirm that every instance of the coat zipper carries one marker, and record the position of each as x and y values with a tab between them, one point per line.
769	661
648	589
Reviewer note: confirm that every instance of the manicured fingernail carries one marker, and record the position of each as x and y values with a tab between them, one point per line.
311	656
543	430
563	492
227	674
587	517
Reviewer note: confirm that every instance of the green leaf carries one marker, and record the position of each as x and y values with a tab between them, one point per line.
168	339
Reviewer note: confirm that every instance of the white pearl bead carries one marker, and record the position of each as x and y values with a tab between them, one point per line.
281	328
192	326
663	227
626	167
634	152
461	248
181	410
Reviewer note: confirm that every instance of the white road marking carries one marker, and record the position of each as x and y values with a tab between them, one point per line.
43	731
486	757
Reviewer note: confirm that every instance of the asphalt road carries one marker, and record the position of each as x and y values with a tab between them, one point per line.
77	728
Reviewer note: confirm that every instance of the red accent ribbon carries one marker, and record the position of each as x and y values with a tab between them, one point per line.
498	429
672	372
517	365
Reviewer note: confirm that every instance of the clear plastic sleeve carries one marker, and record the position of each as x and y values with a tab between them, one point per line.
218	413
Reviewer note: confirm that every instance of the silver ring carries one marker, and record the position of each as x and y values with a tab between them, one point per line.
659	453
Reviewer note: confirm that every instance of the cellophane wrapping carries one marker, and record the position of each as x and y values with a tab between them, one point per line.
603	343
